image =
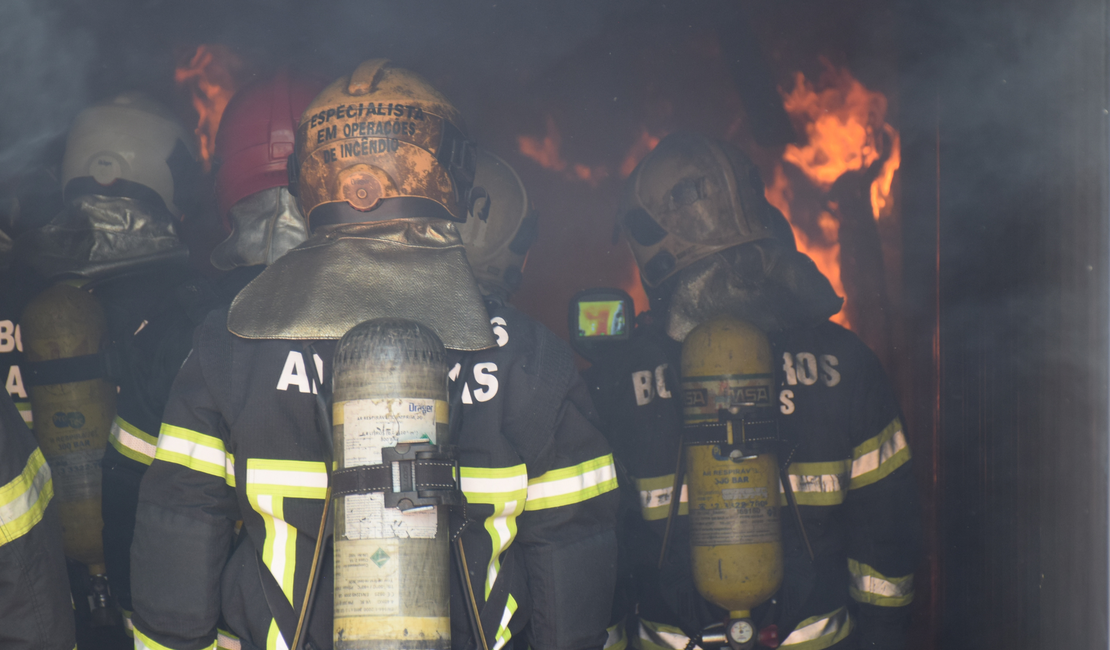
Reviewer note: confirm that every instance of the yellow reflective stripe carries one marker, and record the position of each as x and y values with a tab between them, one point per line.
659	636
227	641
269	483
23	499
274	639
655	497
569	485
615	639
133	442
503	632
876	458
196	451
506	489
289	478
25	412
128	624
143	642
819	484
819	632
494	484
870	586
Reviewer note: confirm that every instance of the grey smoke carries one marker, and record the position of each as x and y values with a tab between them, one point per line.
43	69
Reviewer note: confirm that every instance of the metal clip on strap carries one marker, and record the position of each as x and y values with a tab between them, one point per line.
410	476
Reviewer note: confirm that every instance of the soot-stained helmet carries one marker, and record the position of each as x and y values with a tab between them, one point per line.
690	197
381	144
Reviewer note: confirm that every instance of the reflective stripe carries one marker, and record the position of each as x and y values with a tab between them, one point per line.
870	586
143	642
196	451
879	456
274	639
615	639
269	483
503	631
570	485
819	484
23	500
506	489
227	641
819	632
128	624
655	497
133	442
659	636
25	412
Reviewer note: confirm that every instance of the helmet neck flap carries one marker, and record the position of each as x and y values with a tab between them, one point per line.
346	274
97	236
764	282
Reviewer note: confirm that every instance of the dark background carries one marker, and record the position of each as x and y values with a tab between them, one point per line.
999	313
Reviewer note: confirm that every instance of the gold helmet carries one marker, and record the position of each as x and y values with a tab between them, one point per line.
381	144
689	198
501	227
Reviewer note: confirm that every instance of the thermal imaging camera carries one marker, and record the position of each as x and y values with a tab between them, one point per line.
599	319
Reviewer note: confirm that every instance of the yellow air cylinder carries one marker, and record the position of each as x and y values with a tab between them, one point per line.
72	420
732	472
392	580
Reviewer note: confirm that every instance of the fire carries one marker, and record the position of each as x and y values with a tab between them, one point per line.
210	76
547	152
844	128
825	256
643	145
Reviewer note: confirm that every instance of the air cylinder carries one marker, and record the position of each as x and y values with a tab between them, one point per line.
392	587
72	420
732	470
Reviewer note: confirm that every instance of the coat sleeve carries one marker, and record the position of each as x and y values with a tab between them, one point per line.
884	528
36	610
567	531
184	520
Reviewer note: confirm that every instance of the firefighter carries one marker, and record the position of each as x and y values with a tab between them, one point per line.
252	145
35	607
708	244
128	173
384	171
502	227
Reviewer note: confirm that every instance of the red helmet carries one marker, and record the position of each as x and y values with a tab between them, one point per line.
256	136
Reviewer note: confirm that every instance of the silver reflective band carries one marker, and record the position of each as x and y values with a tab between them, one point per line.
829	629
816	483
871	461
880	587
661	636
660	497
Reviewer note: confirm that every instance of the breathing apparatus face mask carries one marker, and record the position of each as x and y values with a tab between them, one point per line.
264	226
762	282
95	236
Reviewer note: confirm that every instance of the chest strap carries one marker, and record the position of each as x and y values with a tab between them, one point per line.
410	475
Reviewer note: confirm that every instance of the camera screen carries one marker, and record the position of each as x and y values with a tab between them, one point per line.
602	318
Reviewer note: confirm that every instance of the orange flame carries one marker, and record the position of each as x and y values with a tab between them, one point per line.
842	126
826	257
642	147
210	77
546	151
845	130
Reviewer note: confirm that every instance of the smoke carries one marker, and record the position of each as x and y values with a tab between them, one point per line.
43	67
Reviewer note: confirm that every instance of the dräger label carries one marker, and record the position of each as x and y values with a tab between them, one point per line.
369	425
